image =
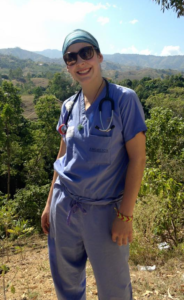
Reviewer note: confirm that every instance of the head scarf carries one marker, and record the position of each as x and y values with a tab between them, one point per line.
79	36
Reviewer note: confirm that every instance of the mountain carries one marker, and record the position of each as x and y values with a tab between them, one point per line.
143	61
147	61
51	53
110	70
24	54
117	61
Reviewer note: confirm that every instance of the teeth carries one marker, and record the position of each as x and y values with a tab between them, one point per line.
84	72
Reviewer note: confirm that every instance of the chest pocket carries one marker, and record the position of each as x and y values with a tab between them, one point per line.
98	149
90	149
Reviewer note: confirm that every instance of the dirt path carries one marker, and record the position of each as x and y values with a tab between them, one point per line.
29	277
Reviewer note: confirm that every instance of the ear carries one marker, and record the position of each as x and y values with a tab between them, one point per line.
68	69
100	56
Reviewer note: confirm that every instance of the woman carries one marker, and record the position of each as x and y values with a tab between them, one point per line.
96	181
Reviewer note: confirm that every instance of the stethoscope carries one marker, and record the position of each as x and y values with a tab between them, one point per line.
63	127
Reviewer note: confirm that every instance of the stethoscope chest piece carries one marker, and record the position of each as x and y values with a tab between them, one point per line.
62	129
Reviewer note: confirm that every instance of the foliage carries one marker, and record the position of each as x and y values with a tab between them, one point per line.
163	146
168	220
156	92
16	74
10	122
62	87
163	128
173	100
45	144
29	149
177	5
20	229
7	217
38	92
30	202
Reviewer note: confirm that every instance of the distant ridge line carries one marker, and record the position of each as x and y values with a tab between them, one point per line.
175	62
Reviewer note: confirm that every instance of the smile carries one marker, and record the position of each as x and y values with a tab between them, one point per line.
84	72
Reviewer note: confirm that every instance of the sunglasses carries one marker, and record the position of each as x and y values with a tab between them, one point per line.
85	53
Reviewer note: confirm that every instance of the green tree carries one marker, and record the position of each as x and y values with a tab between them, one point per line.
38	92
177	5
174	100
44	148
30	202
62	86
164	175
126	82
165	136
10	120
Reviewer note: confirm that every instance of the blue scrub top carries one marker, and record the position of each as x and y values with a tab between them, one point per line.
95	164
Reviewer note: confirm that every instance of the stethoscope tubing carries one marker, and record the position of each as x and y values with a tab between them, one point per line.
63	127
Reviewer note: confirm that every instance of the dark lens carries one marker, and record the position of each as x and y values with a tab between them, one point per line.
70	58
86	53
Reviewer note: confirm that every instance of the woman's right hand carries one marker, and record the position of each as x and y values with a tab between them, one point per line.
45	219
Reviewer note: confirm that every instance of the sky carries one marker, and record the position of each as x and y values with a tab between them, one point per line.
120	26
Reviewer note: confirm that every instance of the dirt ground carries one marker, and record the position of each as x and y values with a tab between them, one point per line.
29	277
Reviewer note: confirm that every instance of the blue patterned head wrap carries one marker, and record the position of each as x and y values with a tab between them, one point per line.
79	36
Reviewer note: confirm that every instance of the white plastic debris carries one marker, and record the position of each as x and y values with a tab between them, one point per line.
163	246
146	268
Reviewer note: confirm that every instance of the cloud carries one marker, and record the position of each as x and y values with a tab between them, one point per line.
145	52
133	22
29	24
171	50
103	20
115	6
131	50
121	22
134	50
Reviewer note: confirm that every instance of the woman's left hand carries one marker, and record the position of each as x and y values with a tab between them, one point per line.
122	232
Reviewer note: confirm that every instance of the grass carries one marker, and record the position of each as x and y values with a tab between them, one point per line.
31	277
28	107
43	82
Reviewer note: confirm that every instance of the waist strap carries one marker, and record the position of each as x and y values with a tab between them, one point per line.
89	200
76	202
74	208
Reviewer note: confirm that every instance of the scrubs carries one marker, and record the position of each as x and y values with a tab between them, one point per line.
90	184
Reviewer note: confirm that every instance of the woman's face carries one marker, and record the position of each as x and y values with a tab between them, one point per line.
85	71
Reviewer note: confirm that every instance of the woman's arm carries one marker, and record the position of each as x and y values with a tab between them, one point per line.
45	214
121	231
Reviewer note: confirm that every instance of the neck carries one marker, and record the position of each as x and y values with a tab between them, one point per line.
93	89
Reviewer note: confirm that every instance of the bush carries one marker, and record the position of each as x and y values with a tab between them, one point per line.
169	205
30	203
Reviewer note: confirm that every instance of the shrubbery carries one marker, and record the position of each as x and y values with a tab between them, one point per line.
29	148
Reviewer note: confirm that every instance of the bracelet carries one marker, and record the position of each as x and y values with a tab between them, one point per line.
122	217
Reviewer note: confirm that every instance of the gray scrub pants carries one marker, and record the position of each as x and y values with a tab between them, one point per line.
87	235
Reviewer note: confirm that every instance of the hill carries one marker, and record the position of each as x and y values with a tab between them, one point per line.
112	70
8	62
148	61
24	54
144	61
133	60
51	53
